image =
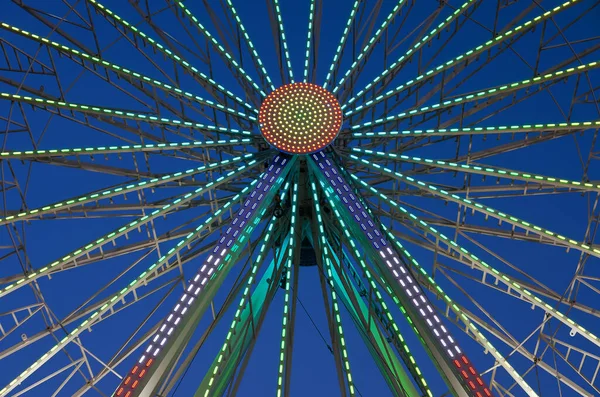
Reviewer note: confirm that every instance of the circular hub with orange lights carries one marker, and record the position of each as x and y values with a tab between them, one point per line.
300	118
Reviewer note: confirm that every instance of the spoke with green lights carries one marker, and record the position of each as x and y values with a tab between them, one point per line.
123	189
311	21
91	151
168	53
370	44
287	302
253	52
227	57
403	349
337	319
484	170
499	90
499	276
342	43
119	296
471	54
407	358
122	114
286	52
422	274
406	57
122	71
122	231
244	300
503	129
499	215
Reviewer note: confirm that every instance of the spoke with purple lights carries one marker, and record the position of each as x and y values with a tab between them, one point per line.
420	306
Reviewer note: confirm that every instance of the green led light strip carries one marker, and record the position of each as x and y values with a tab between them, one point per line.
311	18
557	238
262	253
284	40
504	129
113	235
159	47
370	44
482	94
90	109
334	299
287	304
412	364
114	299
76	201
485	170
474	52
220	49
342	43
125	72
424	40
253	51
121	149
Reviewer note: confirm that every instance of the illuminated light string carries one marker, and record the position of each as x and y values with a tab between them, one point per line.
262	253
287	304
334	299
409	286
121	149
235	234
365	51
342	43
119	296
110	236
253	51
506	88
159	47
311	17
125	72
499	276
421	272
283	40
121	190
468	55
125	115
483	170
592	250
220	49
300	118
503	129
424	40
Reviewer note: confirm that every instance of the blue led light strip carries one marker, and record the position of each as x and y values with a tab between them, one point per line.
419	302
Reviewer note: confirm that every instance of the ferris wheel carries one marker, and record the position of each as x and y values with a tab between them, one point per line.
190	190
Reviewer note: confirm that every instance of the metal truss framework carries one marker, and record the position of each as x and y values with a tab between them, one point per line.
421	218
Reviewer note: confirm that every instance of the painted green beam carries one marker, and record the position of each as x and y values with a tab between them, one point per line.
503	129
125	72
484	170
342	43
412	50
485	267
123	189
370	44
152	147
52	267
501	216
503	89
471	54
122	114
168	53
225	55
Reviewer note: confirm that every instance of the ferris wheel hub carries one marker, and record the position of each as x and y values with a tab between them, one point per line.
300	118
